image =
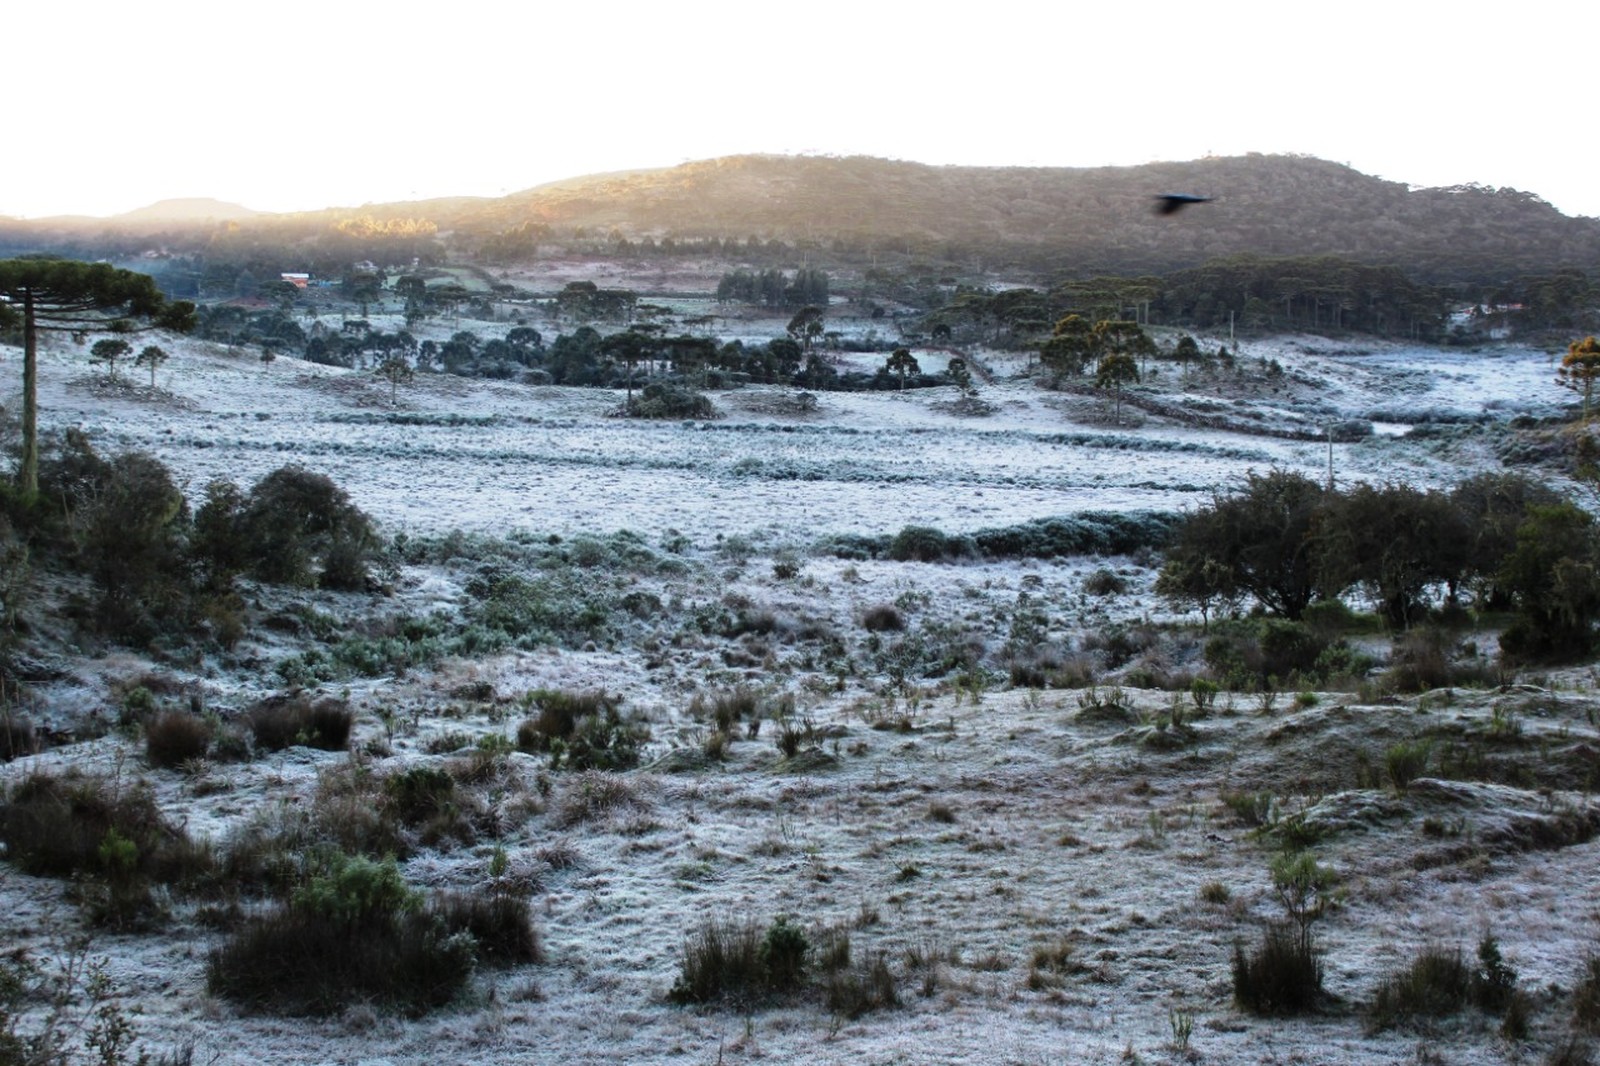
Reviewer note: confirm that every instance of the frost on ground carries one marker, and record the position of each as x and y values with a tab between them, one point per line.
1050	876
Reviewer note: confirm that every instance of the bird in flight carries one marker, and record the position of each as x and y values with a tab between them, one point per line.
1170	203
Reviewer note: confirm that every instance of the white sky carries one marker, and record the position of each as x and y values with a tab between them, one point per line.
288	106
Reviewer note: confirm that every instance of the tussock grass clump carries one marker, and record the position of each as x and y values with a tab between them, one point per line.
499	924
865	986
1283	975
1437	983
298	721
721	962
595	794
727	708
173	738
1440	982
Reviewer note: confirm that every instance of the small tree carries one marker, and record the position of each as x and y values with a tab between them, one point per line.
1580	369
1186	352
957	372
1114	371
152	356
108	351
902	362
1070	347
806	326
395	370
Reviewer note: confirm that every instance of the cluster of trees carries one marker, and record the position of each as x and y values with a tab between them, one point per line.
1286	541
772	288
584	301
156	566
1250	292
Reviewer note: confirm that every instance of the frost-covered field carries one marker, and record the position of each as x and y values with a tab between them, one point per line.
487	457
966	836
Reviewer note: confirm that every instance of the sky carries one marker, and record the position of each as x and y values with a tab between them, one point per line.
337	103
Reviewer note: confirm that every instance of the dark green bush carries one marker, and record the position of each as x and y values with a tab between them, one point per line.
883	618
294	523
660	400
419	793
922	544
783	953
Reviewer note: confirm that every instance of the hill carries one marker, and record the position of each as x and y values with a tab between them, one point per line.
1079	221
1049	222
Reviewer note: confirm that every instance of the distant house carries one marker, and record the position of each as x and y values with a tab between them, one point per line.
299	281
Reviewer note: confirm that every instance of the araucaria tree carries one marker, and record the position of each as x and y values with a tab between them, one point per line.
1071	346
1114	371
902	362
1580	368
152	356
67	296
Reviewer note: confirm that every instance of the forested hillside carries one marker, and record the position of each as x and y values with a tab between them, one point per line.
1053	222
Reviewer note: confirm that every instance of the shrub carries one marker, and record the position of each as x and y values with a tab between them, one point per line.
173	738
419	793
55	827
1104	582
114	840
783	953
582	731
923	544
354	932
558	714
1406	761
290	721
296	526
883	618
1439	982
659	400
1283	975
